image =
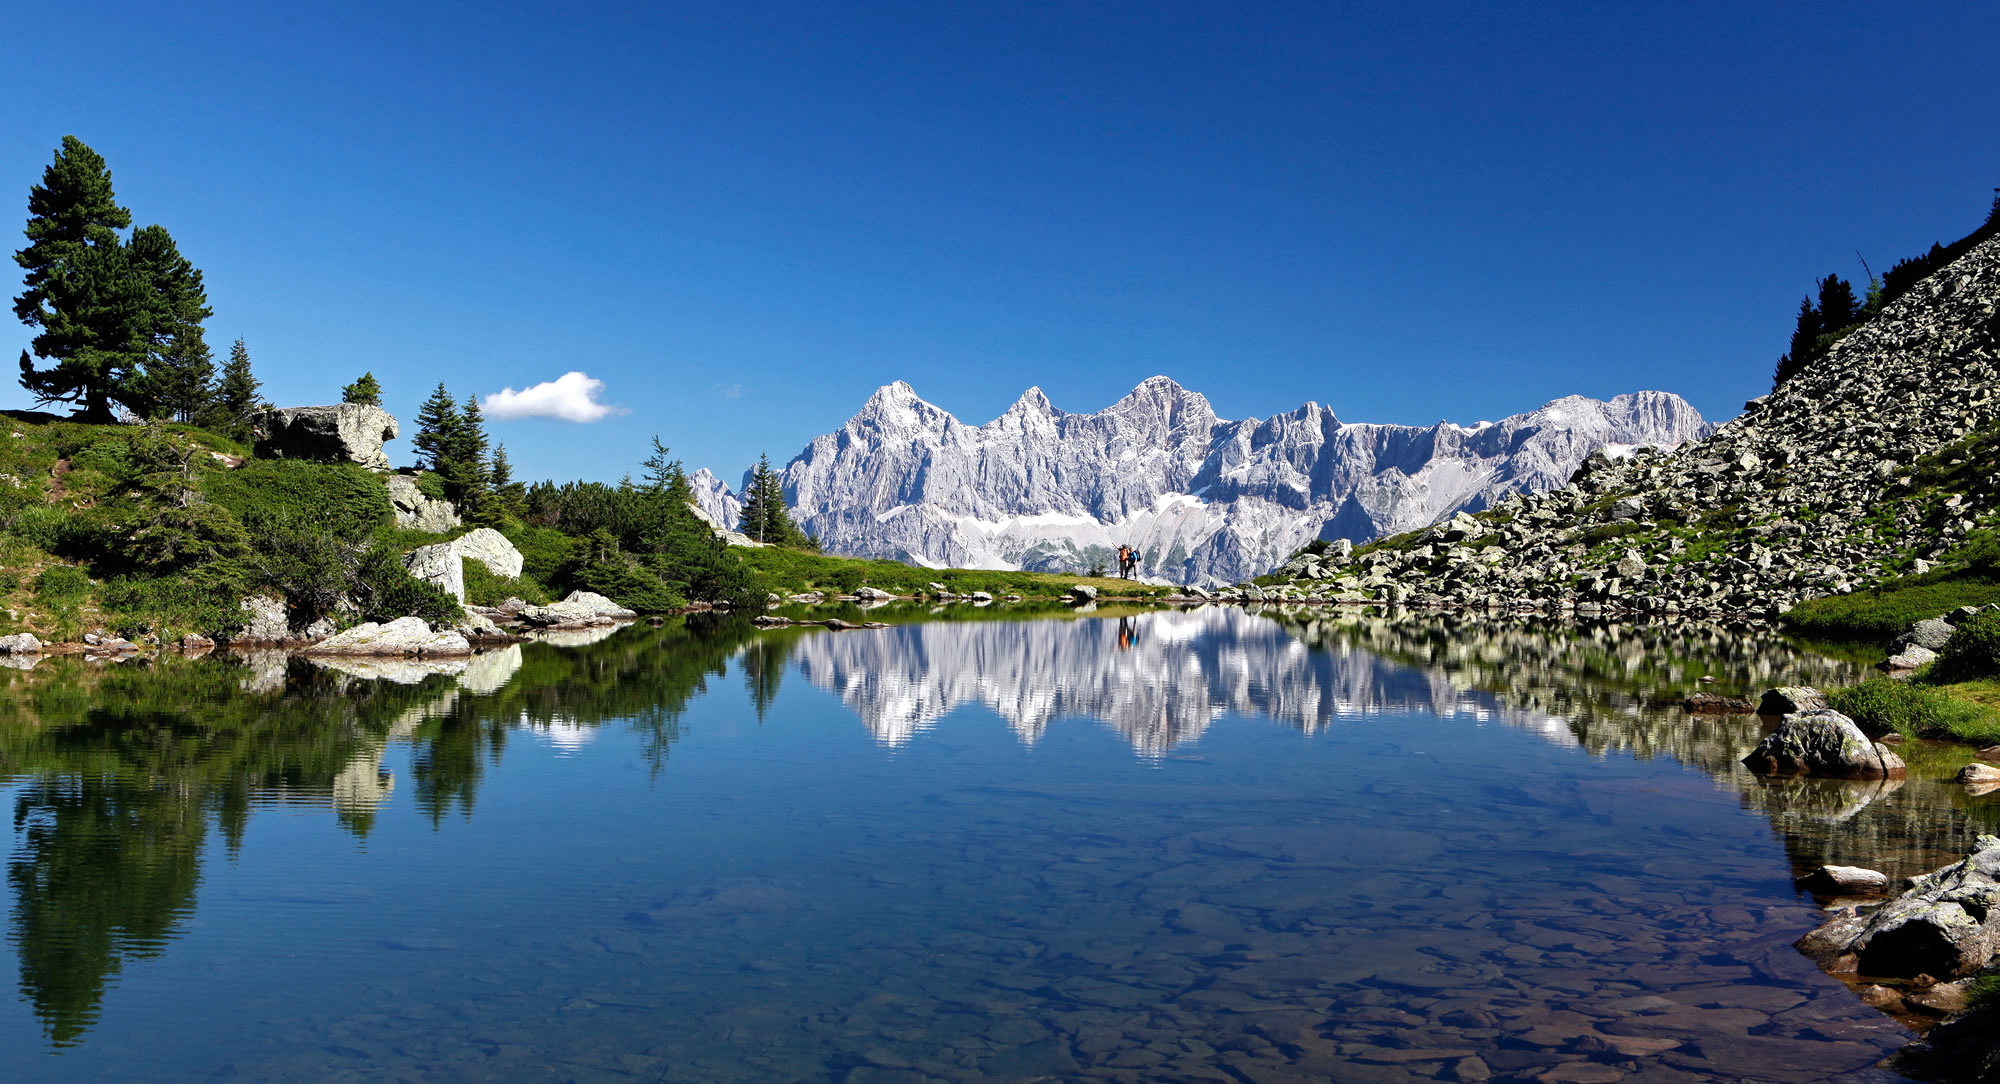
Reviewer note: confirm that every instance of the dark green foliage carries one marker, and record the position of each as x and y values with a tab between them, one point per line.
437	427
169	607
78	288
342	500
1973	652
1885	612
385	591
311	567
765	516
236	396
1837	305
600	565
178	373
430	485
510	497
365	391
62	585
544	551
1880	705
483	588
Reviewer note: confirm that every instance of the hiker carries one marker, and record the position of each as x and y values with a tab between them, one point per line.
1124	561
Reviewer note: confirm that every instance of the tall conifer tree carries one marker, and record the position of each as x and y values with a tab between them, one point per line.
80	291
236	395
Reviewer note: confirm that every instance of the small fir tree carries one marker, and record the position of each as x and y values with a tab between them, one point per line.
437	431
364	391
235	396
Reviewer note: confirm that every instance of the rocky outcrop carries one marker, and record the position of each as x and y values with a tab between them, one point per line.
1204	499
1947	925
265	621
414	511
490	548
1812	491
1823	742
403	636
342	433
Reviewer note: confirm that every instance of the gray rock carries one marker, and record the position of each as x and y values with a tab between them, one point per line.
1933	634
1912	657
439	565
478	626
1836	880
1823	742
342	433
1947	925
403	636
982	596
265	621
416	511
490	548
579	609
1790	699
1340	549
318	630
195	643
875	594
21	643
1083	592
1977	773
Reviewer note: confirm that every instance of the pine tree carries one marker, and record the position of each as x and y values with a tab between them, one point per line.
235	396
81	292
755	517
1805	340
179	370
467	477
510	496
437	430
364	391
1837	305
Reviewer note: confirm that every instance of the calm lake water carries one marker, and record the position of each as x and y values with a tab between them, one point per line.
1206	845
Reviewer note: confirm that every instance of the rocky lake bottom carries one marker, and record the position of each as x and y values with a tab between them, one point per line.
1207	845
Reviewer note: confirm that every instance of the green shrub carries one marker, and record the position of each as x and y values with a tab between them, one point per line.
385	591
1881	704
430	485
62	585
1973	652
483	588
40	525
172	606
312	568
544	551
344	500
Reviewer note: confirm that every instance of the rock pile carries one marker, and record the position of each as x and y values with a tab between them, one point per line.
1817	488
416	511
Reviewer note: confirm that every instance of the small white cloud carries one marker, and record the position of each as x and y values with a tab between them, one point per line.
571	397
729	391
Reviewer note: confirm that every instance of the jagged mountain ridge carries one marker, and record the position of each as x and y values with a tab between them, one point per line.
1205	499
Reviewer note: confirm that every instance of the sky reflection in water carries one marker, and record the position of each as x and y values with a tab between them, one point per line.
1063	848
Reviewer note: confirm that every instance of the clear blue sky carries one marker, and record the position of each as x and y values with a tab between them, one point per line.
744	217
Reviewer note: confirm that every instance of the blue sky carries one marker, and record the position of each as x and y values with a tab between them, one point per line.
743	218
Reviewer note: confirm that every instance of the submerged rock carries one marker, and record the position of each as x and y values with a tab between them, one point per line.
1835	880
1823	742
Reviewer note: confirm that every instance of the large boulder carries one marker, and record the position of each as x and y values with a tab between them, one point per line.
1823	742
1083	592
21	643
491	548
580	609
1933	634
342	433
1946	926
439	565
416	511
264	621
403	636
1786	699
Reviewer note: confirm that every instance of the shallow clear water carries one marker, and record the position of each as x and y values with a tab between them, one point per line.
1182	846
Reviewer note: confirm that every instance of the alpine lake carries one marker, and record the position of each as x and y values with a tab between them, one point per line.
980	844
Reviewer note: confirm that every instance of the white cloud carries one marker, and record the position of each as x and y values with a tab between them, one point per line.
729	391
571	397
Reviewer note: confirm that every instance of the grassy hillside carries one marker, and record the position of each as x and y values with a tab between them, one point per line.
790	571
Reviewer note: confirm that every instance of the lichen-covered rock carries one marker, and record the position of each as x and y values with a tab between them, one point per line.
1789	699
264	622
490	548
1932	634
403	636
1823	742
1947	925
416	511
342	433
440	566
21	643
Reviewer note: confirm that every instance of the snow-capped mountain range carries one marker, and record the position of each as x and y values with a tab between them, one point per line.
1205	500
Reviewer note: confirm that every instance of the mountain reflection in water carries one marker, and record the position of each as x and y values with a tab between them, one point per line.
120	774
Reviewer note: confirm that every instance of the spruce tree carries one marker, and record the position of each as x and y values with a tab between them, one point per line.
467	476
81	293
1837	305
235	396
755	517
179	371
437	431
510	496
364	391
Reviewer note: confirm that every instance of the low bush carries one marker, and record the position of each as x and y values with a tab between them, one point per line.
343	500
170	607
385	591
483	588
1886	612
1973	652
1913	710
62	585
